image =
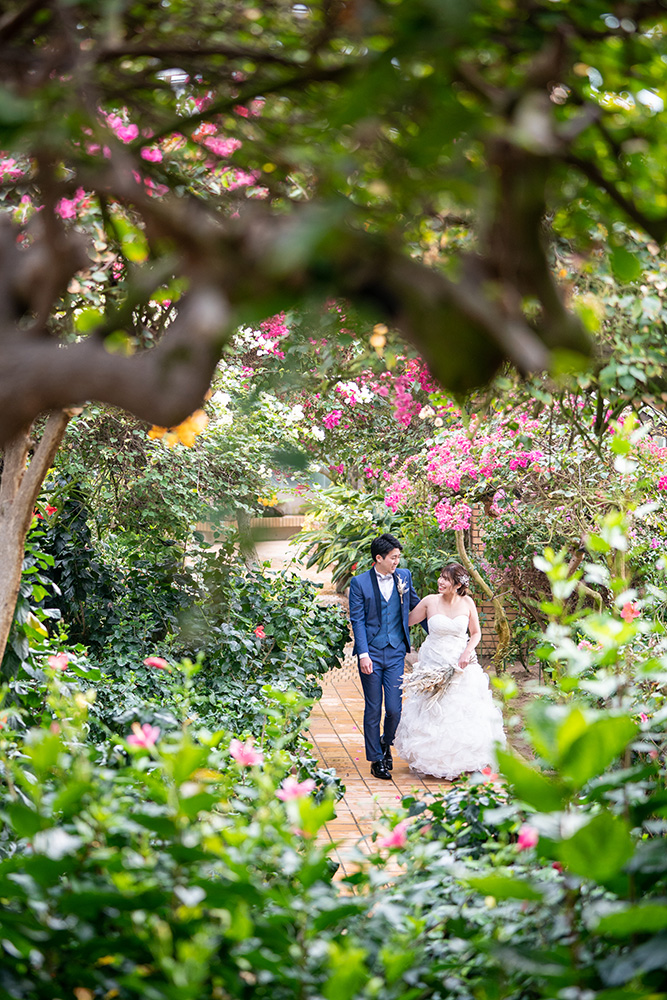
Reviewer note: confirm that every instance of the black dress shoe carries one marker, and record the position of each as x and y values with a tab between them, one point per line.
386	750
378	770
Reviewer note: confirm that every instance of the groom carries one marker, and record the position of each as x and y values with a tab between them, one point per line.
380	602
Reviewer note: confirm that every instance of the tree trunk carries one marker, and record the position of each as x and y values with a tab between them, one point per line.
500	622
246	540
21	481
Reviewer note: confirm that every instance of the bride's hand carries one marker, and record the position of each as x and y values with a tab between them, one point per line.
463	663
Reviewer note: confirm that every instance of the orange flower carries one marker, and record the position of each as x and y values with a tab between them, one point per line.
184	433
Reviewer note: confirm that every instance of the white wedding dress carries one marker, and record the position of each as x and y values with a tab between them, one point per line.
451	728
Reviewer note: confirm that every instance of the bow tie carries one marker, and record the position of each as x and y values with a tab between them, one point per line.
385	576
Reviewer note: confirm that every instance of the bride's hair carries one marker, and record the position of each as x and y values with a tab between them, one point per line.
458	576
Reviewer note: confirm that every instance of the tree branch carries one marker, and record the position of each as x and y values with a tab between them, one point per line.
657	228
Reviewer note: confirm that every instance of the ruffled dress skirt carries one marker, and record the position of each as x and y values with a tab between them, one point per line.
445	733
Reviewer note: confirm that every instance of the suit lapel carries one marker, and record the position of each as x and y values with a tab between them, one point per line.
376	592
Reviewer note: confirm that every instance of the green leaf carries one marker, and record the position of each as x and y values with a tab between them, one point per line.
643	919
530	786
625	266
337	914
504	887
88	319
598	850
313	816
26	821
592	752
648	956
348	973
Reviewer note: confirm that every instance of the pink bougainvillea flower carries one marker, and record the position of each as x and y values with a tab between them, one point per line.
630	611
221	146
259	632
126	133
332	419
59	661
245	753
643	717
528	837
293	789
157	662
145	736
489	774
151	154
398	836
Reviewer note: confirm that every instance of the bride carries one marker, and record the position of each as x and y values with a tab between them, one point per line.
450	723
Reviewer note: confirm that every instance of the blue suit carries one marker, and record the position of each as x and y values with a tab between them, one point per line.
381	629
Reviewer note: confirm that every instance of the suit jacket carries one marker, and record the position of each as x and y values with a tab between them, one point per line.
365	606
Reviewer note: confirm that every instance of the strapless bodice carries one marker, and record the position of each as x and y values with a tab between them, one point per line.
443	625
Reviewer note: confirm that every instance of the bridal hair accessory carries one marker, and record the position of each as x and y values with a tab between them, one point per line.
401	587
464	580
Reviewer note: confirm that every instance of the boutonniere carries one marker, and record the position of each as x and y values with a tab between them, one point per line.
401	587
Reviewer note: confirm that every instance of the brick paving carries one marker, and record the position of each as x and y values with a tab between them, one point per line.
336	731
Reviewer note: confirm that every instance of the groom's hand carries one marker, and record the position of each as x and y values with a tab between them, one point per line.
365	664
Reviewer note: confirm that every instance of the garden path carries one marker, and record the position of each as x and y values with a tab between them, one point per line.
336	730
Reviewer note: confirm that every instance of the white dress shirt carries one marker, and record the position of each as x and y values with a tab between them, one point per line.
386	584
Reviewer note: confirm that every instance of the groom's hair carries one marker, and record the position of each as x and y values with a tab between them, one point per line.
383	544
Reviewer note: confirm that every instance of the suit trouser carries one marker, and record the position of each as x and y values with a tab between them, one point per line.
386	678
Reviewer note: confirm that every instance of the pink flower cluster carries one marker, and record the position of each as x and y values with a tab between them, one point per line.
221	146
398	836
292	788
145	736
126	133
332	419
630	611
59	661
67	207
245	754
454	516
528	837
158	662
399	492
405	405
9	169
151	154
525	458
234	178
